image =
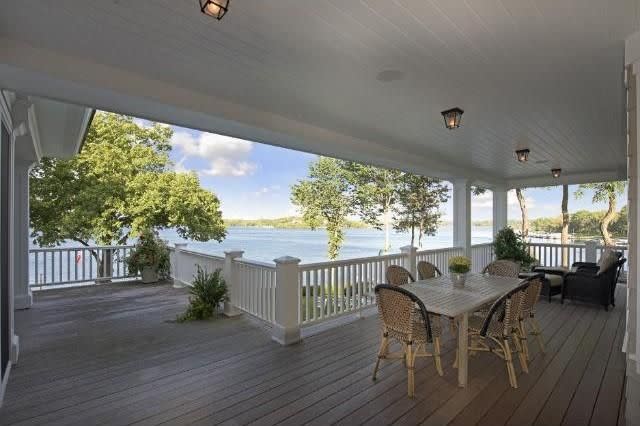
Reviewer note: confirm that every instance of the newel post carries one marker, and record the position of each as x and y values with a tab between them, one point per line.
230	308
410	259
286	329
591	251
178	265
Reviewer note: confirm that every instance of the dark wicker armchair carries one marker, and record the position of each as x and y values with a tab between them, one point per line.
592	285
427	270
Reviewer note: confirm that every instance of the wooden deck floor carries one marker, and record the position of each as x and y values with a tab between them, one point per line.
111	355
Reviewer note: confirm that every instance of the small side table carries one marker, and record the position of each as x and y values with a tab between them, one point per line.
555	279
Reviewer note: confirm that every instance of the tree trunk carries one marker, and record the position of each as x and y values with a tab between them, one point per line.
523	208
413	234
387	227
564	235
606	219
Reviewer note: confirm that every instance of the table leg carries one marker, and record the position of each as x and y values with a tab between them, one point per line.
463	349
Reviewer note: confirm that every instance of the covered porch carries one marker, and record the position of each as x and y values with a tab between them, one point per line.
79	367
366	82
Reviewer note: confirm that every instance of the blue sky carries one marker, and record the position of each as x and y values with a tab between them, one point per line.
253	180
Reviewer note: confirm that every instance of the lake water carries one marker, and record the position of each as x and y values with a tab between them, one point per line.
266	244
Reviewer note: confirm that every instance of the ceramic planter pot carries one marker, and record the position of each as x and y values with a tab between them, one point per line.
149	275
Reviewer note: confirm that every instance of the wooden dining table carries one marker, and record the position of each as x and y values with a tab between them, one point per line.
441	297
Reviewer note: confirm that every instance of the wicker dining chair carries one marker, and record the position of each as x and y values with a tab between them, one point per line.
499	328
528	316
405	320
397	275
502	268
427	270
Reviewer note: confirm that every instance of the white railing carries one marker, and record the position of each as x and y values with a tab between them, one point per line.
330	289
439	257
555	254
254	288
481	256
61	266
184	264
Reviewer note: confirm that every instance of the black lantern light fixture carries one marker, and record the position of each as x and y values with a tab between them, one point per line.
214	8
556	173
522	155
452	118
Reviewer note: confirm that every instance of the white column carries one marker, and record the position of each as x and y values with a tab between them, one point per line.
500	208
631	343
21	291
462	215
286	330
410	259
230	309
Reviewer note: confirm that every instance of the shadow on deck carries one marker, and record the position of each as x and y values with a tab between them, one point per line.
112	354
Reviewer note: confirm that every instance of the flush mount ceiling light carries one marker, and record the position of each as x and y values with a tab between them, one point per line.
214	8
522	155
556	172
452	118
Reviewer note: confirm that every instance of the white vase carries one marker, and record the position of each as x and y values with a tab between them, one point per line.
458	279
149	275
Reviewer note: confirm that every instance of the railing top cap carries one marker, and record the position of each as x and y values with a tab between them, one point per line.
284	260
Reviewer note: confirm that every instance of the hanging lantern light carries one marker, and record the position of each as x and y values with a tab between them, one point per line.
452	118
214	8
556	173
522	155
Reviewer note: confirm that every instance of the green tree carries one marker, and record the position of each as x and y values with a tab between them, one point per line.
604	192
324	197
418	206
119	185
375	191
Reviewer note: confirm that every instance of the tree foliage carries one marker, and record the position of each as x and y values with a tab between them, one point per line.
335	189
324	198
604	192
119	185
418	206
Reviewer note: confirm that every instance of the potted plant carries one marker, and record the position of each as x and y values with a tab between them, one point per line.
149	258
508	245
208	290
459	267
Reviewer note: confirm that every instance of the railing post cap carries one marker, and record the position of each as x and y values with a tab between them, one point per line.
286	260
179	245
234	253
408	248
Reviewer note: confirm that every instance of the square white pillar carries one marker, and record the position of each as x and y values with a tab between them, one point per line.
500	209
462	215
21	290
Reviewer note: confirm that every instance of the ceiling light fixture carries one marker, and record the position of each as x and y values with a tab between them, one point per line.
556	172
452	117
214	8
522	155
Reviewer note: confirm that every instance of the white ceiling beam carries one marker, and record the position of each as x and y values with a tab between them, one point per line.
26	69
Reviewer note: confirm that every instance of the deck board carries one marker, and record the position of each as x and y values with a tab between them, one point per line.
114	355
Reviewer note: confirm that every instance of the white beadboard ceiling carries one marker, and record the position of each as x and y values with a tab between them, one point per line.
542	74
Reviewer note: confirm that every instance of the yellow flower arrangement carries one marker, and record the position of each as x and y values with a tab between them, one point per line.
459	264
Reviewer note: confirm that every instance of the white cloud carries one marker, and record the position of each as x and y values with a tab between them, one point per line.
226	156
512	200
266	190
482	201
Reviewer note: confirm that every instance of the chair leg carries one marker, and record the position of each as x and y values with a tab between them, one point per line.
538	333
436	355
384	347
522	331
510	369
521	355
410	373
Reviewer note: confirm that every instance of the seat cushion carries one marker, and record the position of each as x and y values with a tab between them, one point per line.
554	280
